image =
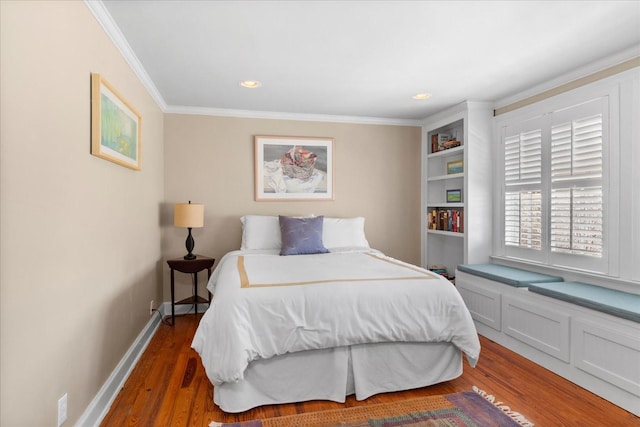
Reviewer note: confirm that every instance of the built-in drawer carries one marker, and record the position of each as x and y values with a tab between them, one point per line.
483	303
541	328
605	352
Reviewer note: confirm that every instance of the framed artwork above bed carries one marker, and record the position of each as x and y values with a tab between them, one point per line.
291	168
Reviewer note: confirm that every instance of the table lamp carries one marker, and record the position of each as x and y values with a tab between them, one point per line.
189	215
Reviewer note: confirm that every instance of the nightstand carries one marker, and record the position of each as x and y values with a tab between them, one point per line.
190	266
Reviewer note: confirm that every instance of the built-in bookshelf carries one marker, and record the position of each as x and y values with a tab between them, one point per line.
457	187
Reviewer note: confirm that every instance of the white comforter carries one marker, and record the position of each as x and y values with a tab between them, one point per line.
266	305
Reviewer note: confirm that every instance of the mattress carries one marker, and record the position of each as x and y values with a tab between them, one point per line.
358	311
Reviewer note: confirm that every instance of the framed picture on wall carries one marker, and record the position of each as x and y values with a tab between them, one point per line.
293	168
115	125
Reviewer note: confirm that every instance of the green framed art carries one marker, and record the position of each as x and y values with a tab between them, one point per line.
115	125
455	166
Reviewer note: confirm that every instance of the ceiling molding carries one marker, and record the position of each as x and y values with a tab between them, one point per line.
105	20
594	68
600	75
223	112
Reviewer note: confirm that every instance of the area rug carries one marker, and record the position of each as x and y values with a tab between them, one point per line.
467	409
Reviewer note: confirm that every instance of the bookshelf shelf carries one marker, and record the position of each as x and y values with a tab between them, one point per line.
449	176
466	168
447	153
445	205
445	233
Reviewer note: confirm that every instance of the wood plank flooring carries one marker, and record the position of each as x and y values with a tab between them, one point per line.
168	387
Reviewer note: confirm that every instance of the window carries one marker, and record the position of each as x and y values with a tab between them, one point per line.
554	201
523	178
576	186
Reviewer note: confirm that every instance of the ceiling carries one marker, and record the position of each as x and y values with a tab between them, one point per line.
360	59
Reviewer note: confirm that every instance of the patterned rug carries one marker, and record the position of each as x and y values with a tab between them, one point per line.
467	409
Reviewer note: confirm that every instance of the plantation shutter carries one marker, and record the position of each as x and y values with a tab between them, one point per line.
576	186
523	197
557	187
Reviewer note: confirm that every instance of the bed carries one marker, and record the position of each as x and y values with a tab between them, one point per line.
307	310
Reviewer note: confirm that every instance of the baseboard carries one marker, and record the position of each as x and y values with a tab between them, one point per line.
101	403
183	308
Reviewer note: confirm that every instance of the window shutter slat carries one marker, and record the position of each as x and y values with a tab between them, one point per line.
576	149
577	221
559	159
523	219
523	158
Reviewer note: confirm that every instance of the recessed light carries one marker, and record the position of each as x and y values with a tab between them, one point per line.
250	84
421	96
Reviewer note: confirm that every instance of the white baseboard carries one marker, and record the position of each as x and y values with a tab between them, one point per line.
101	403
182	308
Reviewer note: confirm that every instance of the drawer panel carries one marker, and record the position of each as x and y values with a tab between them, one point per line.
608	354
483	304
545	330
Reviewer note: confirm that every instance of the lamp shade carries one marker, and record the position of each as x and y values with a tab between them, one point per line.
188	215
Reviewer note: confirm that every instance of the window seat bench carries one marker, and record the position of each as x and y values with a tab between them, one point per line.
611	301
587	334
509	275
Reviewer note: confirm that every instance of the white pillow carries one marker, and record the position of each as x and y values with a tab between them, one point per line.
344	233
260	232
263	232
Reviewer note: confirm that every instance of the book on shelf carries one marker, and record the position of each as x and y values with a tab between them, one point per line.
443	219
442	141
451	144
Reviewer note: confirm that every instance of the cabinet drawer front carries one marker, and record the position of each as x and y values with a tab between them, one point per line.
607	353
545	330
483	304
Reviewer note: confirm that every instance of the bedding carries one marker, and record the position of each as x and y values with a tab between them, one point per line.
263	232
333	374
301	236
324	325
267	305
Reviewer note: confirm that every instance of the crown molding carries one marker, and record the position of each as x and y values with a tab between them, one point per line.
105	20
599	69
272	115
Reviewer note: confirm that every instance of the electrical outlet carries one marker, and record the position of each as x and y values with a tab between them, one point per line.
151	308
62	410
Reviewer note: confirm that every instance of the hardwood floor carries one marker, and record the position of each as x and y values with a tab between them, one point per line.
168	387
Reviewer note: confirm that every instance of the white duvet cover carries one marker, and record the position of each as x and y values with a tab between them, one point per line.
266	305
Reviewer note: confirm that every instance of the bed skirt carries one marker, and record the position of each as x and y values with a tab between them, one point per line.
332	374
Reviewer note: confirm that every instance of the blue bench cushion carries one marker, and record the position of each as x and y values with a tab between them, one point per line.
509	275
611	301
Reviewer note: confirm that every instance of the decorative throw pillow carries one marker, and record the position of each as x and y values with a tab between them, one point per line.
301	235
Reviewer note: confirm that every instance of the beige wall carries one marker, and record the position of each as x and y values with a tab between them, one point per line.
80	249
83	240
210	160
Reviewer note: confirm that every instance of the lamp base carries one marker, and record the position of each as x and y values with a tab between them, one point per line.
190	244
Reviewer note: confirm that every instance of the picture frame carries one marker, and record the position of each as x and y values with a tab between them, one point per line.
455	166
116	126
289	168
454	196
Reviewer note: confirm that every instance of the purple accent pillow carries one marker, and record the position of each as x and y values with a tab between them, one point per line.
301	235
